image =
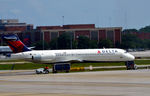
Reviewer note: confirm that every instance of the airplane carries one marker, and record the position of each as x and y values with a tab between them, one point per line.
21	51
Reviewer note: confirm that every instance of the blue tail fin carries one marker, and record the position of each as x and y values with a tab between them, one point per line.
14	43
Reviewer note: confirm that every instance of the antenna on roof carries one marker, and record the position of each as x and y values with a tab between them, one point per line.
63	20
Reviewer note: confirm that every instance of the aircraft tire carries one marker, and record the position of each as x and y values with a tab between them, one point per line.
67	71
54	71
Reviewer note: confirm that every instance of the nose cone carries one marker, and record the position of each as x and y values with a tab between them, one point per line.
17	56
130	57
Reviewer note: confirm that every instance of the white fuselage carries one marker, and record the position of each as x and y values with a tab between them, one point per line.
80	55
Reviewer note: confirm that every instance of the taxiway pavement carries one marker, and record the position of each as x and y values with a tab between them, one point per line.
101	83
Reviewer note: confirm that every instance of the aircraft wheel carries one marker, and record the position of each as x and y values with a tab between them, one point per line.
54	71
67	71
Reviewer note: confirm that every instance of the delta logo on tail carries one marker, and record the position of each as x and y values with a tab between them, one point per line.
14	43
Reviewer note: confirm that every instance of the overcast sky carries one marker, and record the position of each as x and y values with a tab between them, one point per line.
103	13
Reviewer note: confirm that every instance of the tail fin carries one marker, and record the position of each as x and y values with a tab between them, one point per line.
14	43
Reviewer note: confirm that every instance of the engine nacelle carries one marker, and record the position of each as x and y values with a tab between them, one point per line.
39	57
36	57
47	57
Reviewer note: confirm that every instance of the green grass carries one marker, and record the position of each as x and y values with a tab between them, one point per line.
12	61
103	69
142	62
26	66
98	64
35	66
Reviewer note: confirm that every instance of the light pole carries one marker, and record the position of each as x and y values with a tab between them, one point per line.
2	39
43	40
63	20
71	41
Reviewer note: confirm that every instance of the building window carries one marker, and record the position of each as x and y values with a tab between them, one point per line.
94	35
54	35
110	35
71	33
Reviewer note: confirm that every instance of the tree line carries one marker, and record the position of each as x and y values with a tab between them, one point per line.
65	41
130	40
145	29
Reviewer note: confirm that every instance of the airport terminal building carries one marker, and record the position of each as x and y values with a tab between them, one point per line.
88	30
29	35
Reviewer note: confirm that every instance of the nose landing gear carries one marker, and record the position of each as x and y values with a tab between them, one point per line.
130	65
